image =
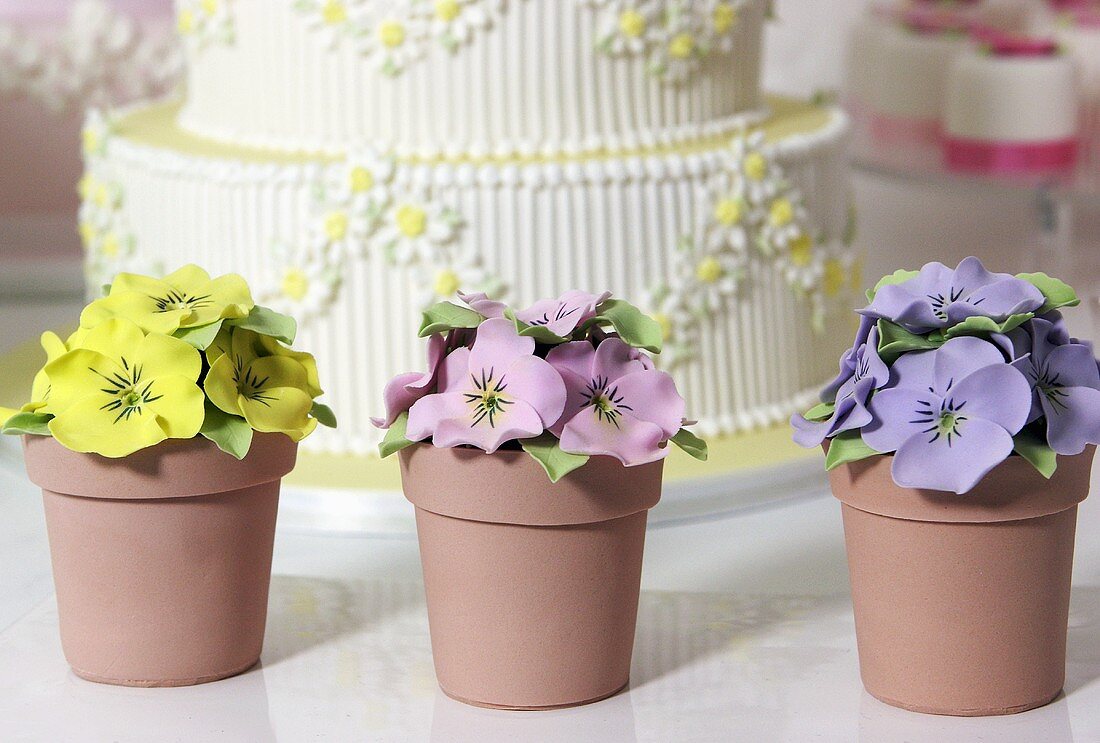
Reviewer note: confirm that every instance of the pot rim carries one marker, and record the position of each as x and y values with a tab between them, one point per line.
601	490
1012	491
174	468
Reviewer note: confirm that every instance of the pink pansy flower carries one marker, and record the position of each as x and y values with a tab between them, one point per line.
565	314
405	389
618	404
480	303
495	392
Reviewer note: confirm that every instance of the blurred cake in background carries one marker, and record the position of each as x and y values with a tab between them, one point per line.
360	160
57	58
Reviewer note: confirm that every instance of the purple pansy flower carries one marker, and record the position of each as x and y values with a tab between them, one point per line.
495	392
869	373
848	360
480	303
405	389
940	297
949	414
565	314
1065	384
618	405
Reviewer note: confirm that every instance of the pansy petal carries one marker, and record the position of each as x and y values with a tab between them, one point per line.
900	413
630	440
221	386
398	396
497	346
650	396
188	277
851	413
145	285
576	356
1074	366
114	338
86	427
280	410
971	275
78	374
928	461
232	293
915	370
479	302
519	421
897	304
454	372
273	347
960	357
1000	300
179	405
933	277
428	411
162	355
997	393
537	383
138	308
615	359
576	397
1073	418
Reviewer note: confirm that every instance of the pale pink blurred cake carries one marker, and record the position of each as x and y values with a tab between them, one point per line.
57	59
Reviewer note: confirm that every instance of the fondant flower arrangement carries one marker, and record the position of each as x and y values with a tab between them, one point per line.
173	358
952	372
565	379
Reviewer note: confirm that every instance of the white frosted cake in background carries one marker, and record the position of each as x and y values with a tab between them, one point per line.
57	57
359	160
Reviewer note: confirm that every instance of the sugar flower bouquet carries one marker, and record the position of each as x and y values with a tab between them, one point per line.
565	379
952	372
172	358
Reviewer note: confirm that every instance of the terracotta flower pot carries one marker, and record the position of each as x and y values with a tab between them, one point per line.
532	587
161	560
962	601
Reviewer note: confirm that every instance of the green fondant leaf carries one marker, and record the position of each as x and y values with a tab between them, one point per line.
1033	447
634	326
546	449
445	317
540	333
895	340
984	326
324	415
691	444
395	439
33	424
820	412
847	447
230	433
200	338
1057	292
897	277
270	323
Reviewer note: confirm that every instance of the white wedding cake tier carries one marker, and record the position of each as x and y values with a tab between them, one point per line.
358	160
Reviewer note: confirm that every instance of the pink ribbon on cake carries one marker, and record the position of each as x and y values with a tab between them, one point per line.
1010	158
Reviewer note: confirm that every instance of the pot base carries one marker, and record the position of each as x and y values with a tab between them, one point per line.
983	712
163	683
528	708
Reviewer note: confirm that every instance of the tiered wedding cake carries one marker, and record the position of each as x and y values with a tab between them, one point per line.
359	159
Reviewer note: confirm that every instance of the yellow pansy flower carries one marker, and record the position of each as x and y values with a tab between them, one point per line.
120	391
269	386
188	298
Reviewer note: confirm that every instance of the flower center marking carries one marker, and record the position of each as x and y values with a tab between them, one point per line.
177	301
489	400
1049	384
606	400
563	312
126	392
940	303
945	421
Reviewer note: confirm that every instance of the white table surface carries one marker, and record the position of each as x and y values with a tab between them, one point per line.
745	634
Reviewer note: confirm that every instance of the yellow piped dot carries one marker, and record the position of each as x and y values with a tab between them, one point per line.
391	33
111	247
632	23
664	322
835	277
336	225
802	250
295	284
756	166
185	22
682	46
727	212
709	270
781	213
725	17
210	7
411	220
447	10
91	141
334	12
101	196
87	233
447	283
360	179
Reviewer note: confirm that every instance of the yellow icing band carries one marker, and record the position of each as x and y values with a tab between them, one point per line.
156	126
